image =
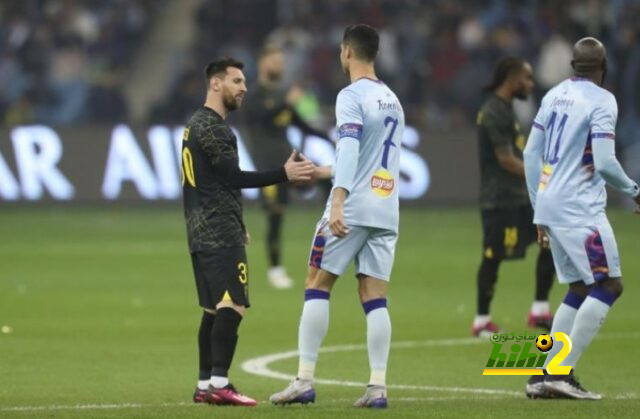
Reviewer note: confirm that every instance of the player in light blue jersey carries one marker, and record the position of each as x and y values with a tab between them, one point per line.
569	158
360	222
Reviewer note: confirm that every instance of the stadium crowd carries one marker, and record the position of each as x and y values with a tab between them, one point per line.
65	61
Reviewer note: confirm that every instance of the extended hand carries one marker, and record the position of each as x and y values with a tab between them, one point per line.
299	169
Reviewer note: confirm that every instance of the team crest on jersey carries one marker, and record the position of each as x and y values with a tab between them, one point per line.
382	183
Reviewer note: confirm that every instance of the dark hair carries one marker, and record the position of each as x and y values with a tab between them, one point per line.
220	65
269	49
363	39
505	67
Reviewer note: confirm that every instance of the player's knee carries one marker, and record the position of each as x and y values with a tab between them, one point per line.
579	288
319	279
613	286
371	289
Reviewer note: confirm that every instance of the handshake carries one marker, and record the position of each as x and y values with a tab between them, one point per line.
301	171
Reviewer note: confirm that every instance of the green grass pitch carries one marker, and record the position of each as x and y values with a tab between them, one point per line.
103	315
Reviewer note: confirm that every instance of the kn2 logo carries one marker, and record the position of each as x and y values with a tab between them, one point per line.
520	358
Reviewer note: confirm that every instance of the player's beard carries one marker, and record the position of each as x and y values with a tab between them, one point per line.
229	101
521	94
274	76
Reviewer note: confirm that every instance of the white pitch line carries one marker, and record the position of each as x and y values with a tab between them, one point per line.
113	406
91	406
260	365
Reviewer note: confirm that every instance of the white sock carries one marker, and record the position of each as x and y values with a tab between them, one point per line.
588	321
314	323
378	342
219	382
203	384
562	322
481	320
539	308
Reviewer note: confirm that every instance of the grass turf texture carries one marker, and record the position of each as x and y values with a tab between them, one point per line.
104	316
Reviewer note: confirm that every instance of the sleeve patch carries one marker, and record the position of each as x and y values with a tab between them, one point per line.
350	130
608	135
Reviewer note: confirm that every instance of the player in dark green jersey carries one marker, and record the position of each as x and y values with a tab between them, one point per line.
507	216
212	179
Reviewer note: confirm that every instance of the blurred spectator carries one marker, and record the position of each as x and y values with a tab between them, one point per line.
57	58
435	54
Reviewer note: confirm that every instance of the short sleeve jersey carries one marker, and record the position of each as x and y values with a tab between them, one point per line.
498	127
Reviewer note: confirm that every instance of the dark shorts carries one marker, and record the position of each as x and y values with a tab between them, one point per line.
221	275
507	232
275	197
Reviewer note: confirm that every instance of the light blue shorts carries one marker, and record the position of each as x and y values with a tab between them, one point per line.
587	254
372	250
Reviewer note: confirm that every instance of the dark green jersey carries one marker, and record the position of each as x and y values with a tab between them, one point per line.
212	206
497	127
268	116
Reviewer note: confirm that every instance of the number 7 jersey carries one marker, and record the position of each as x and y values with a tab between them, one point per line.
370	112
572	114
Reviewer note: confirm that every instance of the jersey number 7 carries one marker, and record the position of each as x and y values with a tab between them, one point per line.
388	143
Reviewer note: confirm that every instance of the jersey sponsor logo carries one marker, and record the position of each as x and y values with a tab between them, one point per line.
547	170
350	130
382	183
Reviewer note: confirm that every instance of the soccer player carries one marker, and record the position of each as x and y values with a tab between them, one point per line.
570	156
360	222
505	208
211	180
269	113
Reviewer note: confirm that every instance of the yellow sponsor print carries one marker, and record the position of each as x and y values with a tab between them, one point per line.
382	183
547	170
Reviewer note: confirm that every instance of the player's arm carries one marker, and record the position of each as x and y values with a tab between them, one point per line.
323	172
508	160
305	127
603	121
292	171
533	155
293	95
349	121
216	143
501	136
